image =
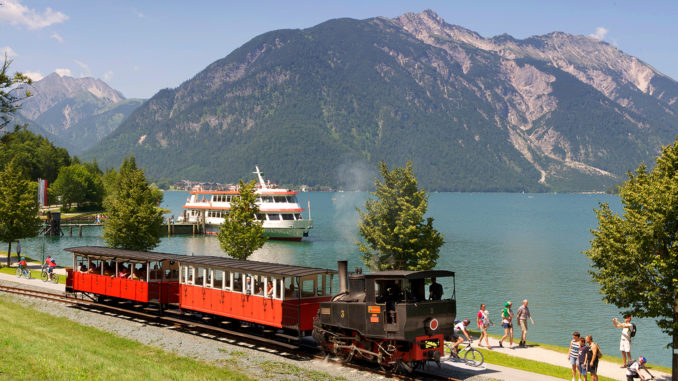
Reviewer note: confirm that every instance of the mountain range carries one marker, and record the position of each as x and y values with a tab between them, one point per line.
74	113
322	105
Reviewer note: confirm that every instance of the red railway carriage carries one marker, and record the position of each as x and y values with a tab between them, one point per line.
147	277
281	296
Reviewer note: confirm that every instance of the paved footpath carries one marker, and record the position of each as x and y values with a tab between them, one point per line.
458	369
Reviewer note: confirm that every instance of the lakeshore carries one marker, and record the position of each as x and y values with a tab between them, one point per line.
536	362
501	247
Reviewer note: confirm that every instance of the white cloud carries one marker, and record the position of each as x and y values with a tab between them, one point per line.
108	76
8	51
35	76
57	37
139	14
136	68
14	13
600	33
64	72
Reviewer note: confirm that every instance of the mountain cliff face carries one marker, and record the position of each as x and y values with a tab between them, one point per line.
554	112
79	111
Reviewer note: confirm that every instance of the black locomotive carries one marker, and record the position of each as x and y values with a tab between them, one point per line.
388	317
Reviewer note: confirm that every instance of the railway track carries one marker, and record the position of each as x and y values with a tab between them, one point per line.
202	326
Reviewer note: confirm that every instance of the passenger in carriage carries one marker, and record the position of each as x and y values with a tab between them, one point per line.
83	268
124	272
92	268
291	292
109	269
269	289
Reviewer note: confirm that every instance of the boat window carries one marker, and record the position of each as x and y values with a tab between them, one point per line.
288	217
260	217
298	216
273	217
228	198
267	199
280	199
292	199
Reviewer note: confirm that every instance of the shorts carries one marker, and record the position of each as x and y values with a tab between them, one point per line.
483	327
573	360
454	337
583	369
593	369
523	324
625	346
50	269
507	325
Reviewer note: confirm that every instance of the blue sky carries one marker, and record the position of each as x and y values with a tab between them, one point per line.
140	47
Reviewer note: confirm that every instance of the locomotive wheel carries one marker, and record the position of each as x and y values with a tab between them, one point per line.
344	356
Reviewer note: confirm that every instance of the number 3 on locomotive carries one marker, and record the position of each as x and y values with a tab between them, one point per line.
342	314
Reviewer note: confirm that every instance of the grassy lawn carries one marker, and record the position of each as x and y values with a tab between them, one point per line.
76	352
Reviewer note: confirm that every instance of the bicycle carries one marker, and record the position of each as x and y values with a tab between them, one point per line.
472	356
23	272
44	275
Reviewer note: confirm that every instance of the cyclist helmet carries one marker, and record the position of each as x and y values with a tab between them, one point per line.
467	322
643	360
23	258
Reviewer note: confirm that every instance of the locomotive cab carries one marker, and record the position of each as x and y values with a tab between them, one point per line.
392	316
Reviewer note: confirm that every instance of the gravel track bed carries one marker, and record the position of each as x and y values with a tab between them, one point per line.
260	363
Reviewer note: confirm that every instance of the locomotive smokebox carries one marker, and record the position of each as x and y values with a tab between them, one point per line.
342	268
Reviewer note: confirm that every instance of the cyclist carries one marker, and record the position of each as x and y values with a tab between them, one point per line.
460	328
634	367
22	265
51	265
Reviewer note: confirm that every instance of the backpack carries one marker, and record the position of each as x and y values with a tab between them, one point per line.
599	353
633	330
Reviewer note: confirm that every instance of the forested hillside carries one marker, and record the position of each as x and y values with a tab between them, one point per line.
319	105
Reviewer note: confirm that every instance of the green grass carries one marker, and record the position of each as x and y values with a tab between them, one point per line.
36	345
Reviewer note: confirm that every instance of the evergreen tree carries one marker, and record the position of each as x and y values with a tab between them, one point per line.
240	234
393	227
133	220
18	206
635	256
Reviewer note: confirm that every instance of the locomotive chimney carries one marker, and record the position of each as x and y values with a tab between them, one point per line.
342	267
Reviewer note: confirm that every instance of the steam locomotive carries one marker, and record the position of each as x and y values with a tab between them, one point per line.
386	317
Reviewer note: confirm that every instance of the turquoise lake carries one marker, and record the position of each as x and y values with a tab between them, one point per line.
501	247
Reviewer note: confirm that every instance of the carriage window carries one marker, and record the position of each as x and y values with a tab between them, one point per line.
237	282
94	266
291	288
124	269
218	279
200	276
279	287
270	287
109	267
80	263
308	288
171	269
155	273
288	217
386	290
320	285
227	280
139	272
259	283
189	275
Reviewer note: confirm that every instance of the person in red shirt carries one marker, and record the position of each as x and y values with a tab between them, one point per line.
51	265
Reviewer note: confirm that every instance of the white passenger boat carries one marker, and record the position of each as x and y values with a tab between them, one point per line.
278	209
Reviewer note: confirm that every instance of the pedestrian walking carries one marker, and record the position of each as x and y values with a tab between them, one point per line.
18	249
625	341
484	322
523	314
507	324
573	353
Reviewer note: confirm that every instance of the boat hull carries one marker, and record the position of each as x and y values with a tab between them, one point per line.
281	233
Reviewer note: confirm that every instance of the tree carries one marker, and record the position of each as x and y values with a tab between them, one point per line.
240	234
393	227
11	88
133	220
36	155
18	206
79	183
635	256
